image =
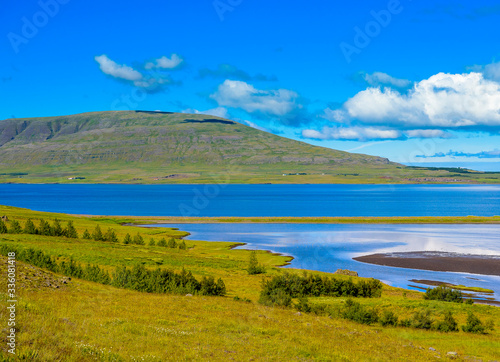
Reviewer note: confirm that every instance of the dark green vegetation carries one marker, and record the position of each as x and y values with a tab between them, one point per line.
154	147
444	293
129	317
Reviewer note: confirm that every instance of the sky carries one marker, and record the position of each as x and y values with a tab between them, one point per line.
411	80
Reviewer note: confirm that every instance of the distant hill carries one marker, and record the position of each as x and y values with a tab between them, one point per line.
150	147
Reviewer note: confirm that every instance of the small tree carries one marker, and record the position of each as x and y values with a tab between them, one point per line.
111	236
86	235
44	228
127	239
29	227
162	242
171	243
15	227
474	325
70	231
57	228
138	239
182	245
253	265
3	227
97	235
448	324
151	242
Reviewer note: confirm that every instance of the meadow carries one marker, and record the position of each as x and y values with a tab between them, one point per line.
70	319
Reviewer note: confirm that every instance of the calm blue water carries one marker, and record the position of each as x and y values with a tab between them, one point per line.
257	200
328	247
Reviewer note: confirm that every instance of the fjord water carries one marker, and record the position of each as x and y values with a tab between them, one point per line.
256	200
318	247
328	247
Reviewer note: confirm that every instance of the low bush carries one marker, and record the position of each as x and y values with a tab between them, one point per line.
444	293
356	312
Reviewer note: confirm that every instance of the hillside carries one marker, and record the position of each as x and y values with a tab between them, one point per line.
150	147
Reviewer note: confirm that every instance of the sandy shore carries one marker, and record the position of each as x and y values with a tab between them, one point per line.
437	261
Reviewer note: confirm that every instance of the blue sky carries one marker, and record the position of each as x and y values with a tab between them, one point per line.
414	81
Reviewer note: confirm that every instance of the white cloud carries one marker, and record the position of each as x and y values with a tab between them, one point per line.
378	78
238	94
490	71
352	133
217	112
427	133
165	63
442	101
113	69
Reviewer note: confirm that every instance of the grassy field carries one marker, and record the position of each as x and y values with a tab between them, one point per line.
77	320
163	148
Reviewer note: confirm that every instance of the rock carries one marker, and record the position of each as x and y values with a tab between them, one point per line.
452	354
432	349
298	313
346	272
189	295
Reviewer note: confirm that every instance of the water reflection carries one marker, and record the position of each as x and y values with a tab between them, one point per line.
327	247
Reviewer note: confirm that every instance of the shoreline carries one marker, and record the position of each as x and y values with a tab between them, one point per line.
437	261
151	220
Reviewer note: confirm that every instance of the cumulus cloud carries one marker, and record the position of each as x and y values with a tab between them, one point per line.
352	133
217	112
280	104
115	70
230	71
165	63
484	154
379	79
442	101
151	81
490	71
358	133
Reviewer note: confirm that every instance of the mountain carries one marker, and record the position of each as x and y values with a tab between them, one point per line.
151	147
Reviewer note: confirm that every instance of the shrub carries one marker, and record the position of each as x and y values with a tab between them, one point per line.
15	227
137	278
444	293
3	227
314	285
86	235
45	228
97	234
138	239
171	243
182	245
474	325
70	231
57	229
253	265
356	312
127	239
448	324
151	242
29	227
276	298
111	236
388	319
162	242
303	305
421	319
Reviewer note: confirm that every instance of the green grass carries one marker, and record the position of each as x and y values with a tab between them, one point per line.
145	148
84	321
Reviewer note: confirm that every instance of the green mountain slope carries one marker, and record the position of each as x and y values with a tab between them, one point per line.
142	146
